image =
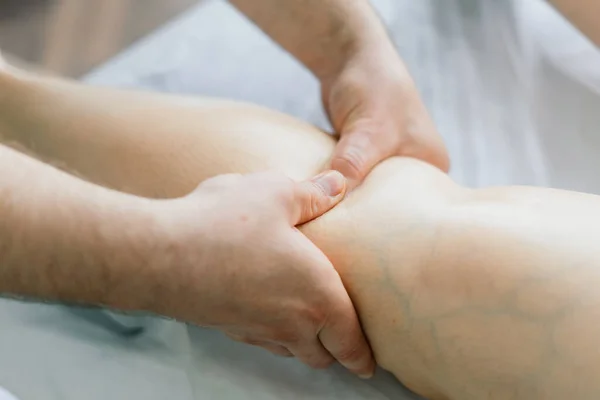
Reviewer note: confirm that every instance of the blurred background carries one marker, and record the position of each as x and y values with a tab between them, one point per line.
71	37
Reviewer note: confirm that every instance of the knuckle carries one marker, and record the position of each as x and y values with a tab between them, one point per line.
286	335
350	354
314	317
351	163
305	322
314	200
289	338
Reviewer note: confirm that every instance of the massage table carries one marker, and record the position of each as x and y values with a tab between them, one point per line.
513	88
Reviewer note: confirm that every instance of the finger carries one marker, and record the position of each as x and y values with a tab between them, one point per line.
344	339
272	347
245	339
315	197
355	155
312	354
277	349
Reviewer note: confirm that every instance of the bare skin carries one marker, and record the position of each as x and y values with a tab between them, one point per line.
64	239
375	108
584	14
463	294
368	93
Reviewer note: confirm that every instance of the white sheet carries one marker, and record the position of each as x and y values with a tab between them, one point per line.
513	88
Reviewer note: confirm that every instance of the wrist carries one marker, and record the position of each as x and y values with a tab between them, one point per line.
368	69
374	54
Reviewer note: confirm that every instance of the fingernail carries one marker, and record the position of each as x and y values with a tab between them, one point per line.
366	376
333	183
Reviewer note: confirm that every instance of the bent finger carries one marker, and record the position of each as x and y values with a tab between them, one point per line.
344	339
355	156
313	198
277	349
271	347
312	354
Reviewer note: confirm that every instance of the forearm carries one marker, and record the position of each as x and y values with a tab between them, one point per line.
584	14
62	239
322	34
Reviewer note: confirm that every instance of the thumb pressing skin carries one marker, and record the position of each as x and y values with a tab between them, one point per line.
315	197
355	155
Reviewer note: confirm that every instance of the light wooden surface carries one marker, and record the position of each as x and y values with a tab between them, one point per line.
70	37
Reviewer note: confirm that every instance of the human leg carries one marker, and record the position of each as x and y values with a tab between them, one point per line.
463	293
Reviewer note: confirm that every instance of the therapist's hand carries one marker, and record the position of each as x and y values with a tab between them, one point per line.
239	265
375	108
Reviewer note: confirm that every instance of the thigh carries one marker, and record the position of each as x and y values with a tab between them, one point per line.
156	145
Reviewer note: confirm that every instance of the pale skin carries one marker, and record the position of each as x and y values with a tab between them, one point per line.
367	91
583	14
64	239
463	294
88	211
89	245
376	110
